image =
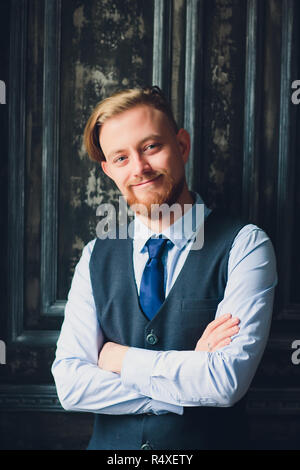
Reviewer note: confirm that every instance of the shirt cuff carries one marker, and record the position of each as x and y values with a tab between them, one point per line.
136	374
137	369
161	407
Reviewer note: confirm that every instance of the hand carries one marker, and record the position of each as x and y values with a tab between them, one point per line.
111	357
218	333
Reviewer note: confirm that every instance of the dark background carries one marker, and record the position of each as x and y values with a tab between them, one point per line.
227	67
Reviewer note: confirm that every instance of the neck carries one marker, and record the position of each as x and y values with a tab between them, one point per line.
162	219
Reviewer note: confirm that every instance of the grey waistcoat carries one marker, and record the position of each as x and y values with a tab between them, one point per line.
181	320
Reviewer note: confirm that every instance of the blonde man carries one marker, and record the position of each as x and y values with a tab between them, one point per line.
160	340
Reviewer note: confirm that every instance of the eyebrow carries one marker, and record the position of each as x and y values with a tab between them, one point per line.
149	137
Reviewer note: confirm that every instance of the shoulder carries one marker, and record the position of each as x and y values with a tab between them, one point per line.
85	257
250	234
88	249
245	234
253	247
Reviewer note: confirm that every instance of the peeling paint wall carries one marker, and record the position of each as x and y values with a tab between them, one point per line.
106	45
224	68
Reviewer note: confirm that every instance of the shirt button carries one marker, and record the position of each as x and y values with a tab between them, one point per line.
151	338
146	446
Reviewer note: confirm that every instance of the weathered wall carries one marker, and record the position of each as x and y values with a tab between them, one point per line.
105	46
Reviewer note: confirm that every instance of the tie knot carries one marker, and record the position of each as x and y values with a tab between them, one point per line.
155	247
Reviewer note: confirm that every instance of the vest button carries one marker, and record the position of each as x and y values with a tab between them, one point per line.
146	446
151	338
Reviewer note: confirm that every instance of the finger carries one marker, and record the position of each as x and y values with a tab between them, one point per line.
214	339
216	323
221	344
220	324
228	333
227	324
224	326
232	323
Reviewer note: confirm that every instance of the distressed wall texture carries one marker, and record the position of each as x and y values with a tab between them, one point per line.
105	46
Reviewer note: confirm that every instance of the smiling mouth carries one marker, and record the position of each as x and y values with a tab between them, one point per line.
147	182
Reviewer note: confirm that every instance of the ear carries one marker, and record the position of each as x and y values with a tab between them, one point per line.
184	141
105	168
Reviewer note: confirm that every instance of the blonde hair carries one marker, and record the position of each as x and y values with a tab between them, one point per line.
117	103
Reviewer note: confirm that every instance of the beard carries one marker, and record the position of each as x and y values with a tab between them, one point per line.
169	194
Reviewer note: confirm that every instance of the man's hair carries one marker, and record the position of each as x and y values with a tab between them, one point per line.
117	103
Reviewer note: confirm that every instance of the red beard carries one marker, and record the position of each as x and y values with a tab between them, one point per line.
169	195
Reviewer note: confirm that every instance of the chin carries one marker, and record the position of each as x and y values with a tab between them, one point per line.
143	204
169	195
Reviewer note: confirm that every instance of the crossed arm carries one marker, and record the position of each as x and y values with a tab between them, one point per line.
122	380
216	335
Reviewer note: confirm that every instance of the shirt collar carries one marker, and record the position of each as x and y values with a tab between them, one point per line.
180	233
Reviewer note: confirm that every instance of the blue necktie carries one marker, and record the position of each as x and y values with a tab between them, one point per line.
152	292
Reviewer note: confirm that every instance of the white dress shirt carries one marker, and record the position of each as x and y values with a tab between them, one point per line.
166	381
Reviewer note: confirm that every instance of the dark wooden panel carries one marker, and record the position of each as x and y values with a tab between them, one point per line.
50	155
162	45
4	130
193	87
178	60
33	162
16	166
269	131
221	163
288	168
45	431
295	274
252	109
285	159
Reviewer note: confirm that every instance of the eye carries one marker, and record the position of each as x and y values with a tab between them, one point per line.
120	159
151	147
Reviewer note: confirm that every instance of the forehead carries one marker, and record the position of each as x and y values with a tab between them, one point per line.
134	124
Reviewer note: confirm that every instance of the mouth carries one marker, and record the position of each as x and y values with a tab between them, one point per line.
147	182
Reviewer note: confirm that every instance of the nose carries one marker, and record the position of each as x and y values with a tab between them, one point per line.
140	164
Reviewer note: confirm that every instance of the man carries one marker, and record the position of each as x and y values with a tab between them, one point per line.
161	340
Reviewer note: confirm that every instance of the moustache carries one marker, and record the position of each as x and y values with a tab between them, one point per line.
147	177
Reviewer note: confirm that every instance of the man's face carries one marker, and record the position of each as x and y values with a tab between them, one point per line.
144	156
